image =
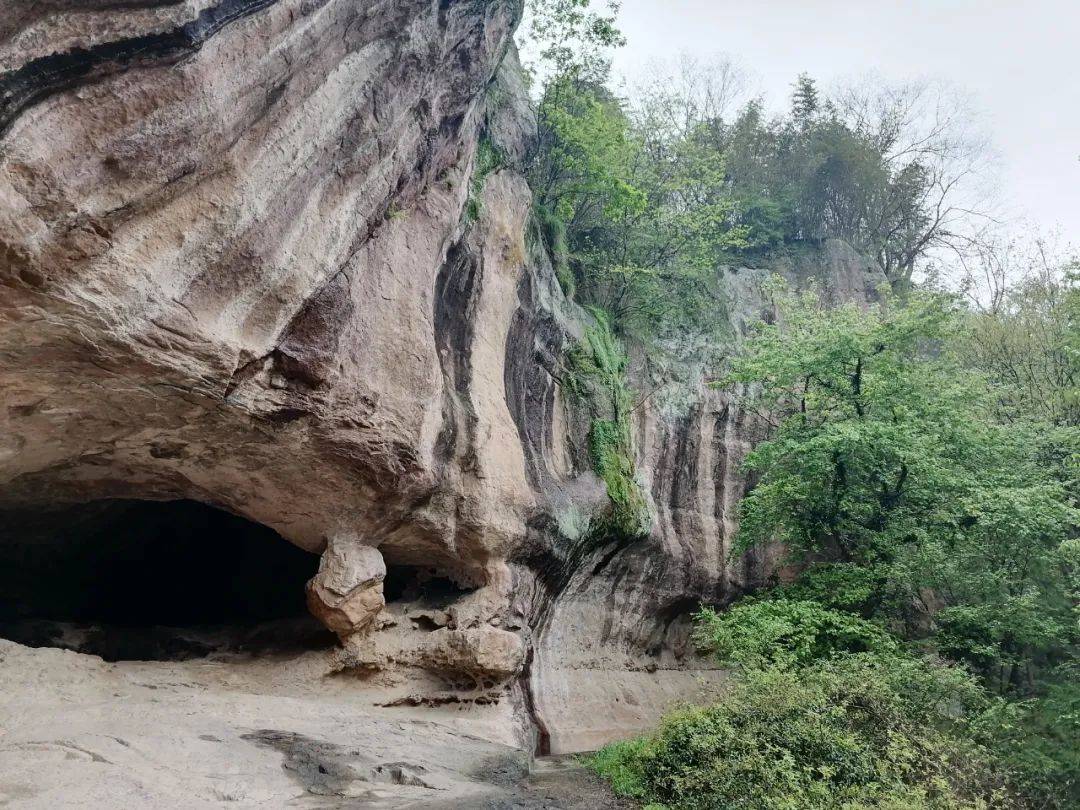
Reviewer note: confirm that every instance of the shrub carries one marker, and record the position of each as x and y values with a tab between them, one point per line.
621	764
489	159
859	731
843	586
611	448
553	232
785	632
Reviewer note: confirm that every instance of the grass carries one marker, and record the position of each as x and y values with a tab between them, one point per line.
618	764
553	231
489	159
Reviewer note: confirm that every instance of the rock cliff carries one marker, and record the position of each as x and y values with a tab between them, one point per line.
277	256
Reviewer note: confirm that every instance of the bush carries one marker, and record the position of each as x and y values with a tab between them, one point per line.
860	731
842	586
621	764
785	632
489	159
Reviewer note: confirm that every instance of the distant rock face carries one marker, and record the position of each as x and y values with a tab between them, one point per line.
245	259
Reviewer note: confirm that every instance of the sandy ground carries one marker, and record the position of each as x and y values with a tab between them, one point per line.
76	731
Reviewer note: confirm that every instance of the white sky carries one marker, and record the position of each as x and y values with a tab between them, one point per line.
1019	60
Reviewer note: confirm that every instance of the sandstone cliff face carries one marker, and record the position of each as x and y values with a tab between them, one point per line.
247	258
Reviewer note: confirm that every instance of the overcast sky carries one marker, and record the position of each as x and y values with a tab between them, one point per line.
1019	60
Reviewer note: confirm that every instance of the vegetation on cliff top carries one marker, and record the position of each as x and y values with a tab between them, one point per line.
641	200
658	189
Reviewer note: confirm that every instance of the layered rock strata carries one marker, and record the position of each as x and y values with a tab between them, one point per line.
248	257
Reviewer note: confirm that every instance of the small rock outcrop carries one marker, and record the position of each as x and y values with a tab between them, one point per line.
248	257
347	593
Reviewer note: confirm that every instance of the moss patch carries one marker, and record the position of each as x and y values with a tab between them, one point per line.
598	378
489	159
553	232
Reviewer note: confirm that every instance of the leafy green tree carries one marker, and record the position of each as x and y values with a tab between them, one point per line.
860	424
646	221
583	168
572	39
887	456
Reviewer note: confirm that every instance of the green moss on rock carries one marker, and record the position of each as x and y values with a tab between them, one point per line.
489	159
598	378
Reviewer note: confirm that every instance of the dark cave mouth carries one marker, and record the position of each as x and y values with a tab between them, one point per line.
153	581
420	586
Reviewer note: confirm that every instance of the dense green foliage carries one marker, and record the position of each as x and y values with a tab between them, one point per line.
935	525
891	456
786	632
639	202
858	731
656	191
642	238
921	457
934	514
1035	741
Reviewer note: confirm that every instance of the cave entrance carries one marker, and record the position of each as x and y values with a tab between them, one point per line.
153	581
420	585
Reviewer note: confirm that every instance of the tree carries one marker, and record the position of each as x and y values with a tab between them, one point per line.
656	191
805	103
1023	329
646	211
942	202
678	97
570	39
585	157
888	455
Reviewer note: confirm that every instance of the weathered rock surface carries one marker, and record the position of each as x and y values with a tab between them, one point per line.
245	733
245	259
347	592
